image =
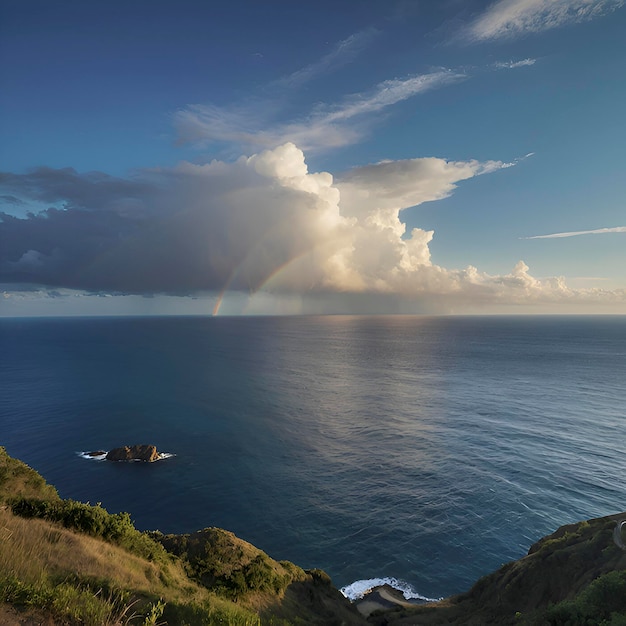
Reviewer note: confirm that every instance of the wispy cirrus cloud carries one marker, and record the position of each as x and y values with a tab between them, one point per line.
327	126
511	65
597	231
513	18
342	53
390	92
259	122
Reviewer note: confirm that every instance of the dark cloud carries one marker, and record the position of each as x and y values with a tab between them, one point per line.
50	247
76	246
91	190
11	200
178	231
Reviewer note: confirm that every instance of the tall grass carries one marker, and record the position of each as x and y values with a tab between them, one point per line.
92	520
80	605
79	564
17	479
23	549
85	580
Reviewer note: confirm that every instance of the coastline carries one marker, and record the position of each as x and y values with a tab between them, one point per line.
575	574
383	598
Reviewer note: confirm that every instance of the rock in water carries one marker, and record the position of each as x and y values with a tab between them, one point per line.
133	453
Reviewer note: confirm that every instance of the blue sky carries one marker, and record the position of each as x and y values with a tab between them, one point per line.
287	157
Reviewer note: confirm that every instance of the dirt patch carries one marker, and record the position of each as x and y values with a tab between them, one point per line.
10	616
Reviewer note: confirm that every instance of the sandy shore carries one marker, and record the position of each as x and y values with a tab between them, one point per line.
381	598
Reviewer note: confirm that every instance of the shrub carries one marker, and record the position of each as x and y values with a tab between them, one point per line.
92	520
319	576
602	602
155	612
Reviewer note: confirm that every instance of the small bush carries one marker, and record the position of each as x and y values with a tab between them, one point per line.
320	577
602	603
155	612
96	521
257	575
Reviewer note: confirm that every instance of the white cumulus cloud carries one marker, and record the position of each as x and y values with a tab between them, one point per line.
263	224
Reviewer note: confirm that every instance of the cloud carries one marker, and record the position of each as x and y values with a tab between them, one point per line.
260	121
76	191
201	227
390	92
511	65
251	125
598	231
342	53
261	224
388	187
11	200
513	18
324	128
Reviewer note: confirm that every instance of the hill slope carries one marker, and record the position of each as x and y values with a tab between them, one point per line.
576	575
65	562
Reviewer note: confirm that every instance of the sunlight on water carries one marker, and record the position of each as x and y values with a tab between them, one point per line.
424	450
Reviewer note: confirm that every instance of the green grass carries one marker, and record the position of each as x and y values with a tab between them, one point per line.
602	603
18	479
79	604
95	521
73	563
85	580
230	566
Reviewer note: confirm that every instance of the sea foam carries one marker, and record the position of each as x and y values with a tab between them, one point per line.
92	457
357	589
101	457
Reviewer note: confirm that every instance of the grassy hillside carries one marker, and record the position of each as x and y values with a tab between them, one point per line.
71	563
573	577
17	479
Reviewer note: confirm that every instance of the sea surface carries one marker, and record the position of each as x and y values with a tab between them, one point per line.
429	450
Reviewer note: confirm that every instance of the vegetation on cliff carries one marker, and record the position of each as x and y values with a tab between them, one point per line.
574	577
66	562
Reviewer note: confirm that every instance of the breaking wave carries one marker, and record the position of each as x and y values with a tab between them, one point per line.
100	455
356	590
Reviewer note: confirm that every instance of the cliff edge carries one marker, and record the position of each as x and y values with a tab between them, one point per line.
575	576
64	563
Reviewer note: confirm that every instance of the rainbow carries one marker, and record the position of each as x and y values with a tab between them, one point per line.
272	276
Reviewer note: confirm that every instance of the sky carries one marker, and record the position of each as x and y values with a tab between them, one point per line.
280	157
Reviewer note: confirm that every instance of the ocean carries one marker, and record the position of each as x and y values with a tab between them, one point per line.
428	450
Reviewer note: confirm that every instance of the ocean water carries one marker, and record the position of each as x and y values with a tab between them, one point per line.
421	449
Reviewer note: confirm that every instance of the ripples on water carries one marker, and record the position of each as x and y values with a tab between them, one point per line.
429	450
